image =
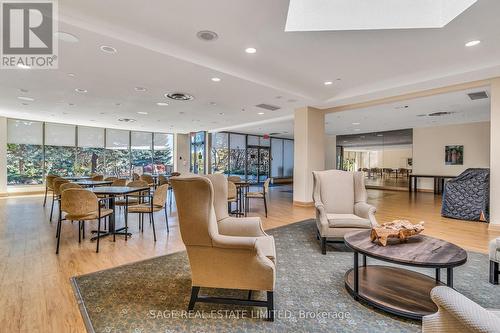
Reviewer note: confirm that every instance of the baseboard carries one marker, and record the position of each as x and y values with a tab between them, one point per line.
494	227
303	204
4	194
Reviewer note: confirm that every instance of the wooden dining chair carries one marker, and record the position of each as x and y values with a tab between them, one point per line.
258	195
81	205
156	202
49	187
57	182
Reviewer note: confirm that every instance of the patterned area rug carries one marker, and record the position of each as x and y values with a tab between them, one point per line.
152	295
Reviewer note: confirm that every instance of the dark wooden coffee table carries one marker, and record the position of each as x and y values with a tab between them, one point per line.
397	290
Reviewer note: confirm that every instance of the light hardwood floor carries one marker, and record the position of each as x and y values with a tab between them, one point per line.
35	292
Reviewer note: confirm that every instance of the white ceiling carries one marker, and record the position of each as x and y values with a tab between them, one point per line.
158	49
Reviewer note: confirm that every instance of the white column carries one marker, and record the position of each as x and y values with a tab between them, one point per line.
330	152
181	153
309	152
495	155
3	156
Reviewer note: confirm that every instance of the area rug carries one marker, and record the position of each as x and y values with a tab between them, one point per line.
152	295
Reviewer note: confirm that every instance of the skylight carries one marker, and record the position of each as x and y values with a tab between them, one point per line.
320	15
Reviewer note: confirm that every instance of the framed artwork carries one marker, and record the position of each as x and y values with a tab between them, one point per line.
454	155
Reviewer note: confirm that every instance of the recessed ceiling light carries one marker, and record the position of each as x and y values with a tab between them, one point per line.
23	66
327	83
243	110
71	74
213	103
118	104
71	104
127	120
25	98
215	79
140	89
221	113
250	50
472	43
142	112
207	35
260	113
108	49
80	90
356	124
24	91
179	96
66	37
162	104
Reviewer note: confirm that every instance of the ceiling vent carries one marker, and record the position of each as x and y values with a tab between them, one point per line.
478	95
127	120
178	96
440	114
268	107
207	35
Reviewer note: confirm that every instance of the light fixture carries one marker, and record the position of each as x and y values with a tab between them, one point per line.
251	50
127	120
108	49
472	43
71	74
213	103
23	66
379	135
207	35
142	112
66	37
260	113
215	79
179	96
221	113
140	89
355	124
80	90
25	98
24	91
162	104
327	83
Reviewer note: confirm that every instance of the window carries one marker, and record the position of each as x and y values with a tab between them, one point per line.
142	154
163	147
60	151
24	152
90	153
237	154
287	158
198	152
117	153
277	158
220	153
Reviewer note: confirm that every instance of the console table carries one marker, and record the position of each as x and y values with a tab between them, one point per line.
438	182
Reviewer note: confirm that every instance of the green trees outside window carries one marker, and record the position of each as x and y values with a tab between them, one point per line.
24	164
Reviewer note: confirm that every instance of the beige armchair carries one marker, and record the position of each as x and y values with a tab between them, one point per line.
340	201
457	313
224	252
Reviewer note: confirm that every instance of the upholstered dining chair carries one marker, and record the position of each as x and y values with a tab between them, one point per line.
97	177
258	195
132	200
112	179
234	179
340	201
119	182
135	176
81	205
156	202
232	194
223	252
148	179
57	182
49	187
162	180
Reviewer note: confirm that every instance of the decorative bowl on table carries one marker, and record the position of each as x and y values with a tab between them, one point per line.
401	229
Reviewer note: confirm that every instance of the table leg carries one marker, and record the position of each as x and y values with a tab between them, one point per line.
356	275
364	260
415	184
409	185
438	274
449	277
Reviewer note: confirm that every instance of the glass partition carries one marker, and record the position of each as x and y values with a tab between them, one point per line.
287	158
277	158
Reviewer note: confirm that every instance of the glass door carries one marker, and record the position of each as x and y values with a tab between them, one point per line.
258	159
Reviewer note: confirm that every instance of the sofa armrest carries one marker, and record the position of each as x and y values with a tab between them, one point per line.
457	313
366	211
246	226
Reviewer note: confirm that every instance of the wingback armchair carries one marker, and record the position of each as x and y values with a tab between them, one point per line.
224	252
340	201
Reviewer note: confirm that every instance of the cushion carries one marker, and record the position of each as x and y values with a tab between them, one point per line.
90	216
347	221
265	244
337	191
144	208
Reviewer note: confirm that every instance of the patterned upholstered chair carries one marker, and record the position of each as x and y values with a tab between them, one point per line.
494	260
340	201
224	252
457	313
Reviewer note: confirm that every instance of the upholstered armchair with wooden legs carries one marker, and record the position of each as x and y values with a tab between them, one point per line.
49	187
340	201
258	195
81	205
156	202
224	252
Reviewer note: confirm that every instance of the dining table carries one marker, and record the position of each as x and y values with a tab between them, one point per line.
93	183
112	192
76	178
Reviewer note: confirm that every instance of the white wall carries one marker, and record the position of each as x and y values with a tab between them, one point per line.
495	156
429	149
393	157
181	153
3	156
330	152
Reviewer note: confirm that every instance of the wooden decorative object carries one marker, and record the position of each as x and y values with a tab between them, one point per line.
401	229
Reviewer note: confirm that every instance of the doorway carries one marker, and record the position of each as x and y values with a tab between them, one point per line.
258	163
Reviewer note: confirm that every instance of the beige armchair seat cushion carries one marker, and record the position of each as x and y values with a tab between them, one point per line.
89	216
494	248
347	221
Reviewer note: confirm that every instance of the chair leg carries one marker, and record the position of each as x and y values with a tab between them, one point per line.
126	222
152	222
265	204
58	235
494	271
166	218
270	306
323	245
83	229
45	197
51	209
79	231
194	297
98	234
142	222
249	295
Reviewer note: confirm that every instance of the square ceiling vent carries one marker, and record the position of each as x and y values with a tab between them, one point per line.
478	95
321	15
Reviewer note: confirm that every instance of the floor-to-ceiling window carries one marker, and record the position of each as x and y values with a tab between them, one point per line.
163	153
220	153
237	154
198	147
24	152
90	153
141	152
117	153
60	149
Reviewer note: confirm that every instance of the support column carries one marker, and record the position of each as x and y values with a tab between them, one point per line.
495	155
330	152
181	153
3	156
309	152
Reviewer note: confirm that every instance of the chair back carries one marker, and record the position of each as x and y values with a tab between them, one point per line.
266	185
111	178
148	179
49	181
223	190
135	176
79	202
137	183
162	180
67	186
175	174
160	195
339	190
57	185
97	177
119	182
234	179
195	208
